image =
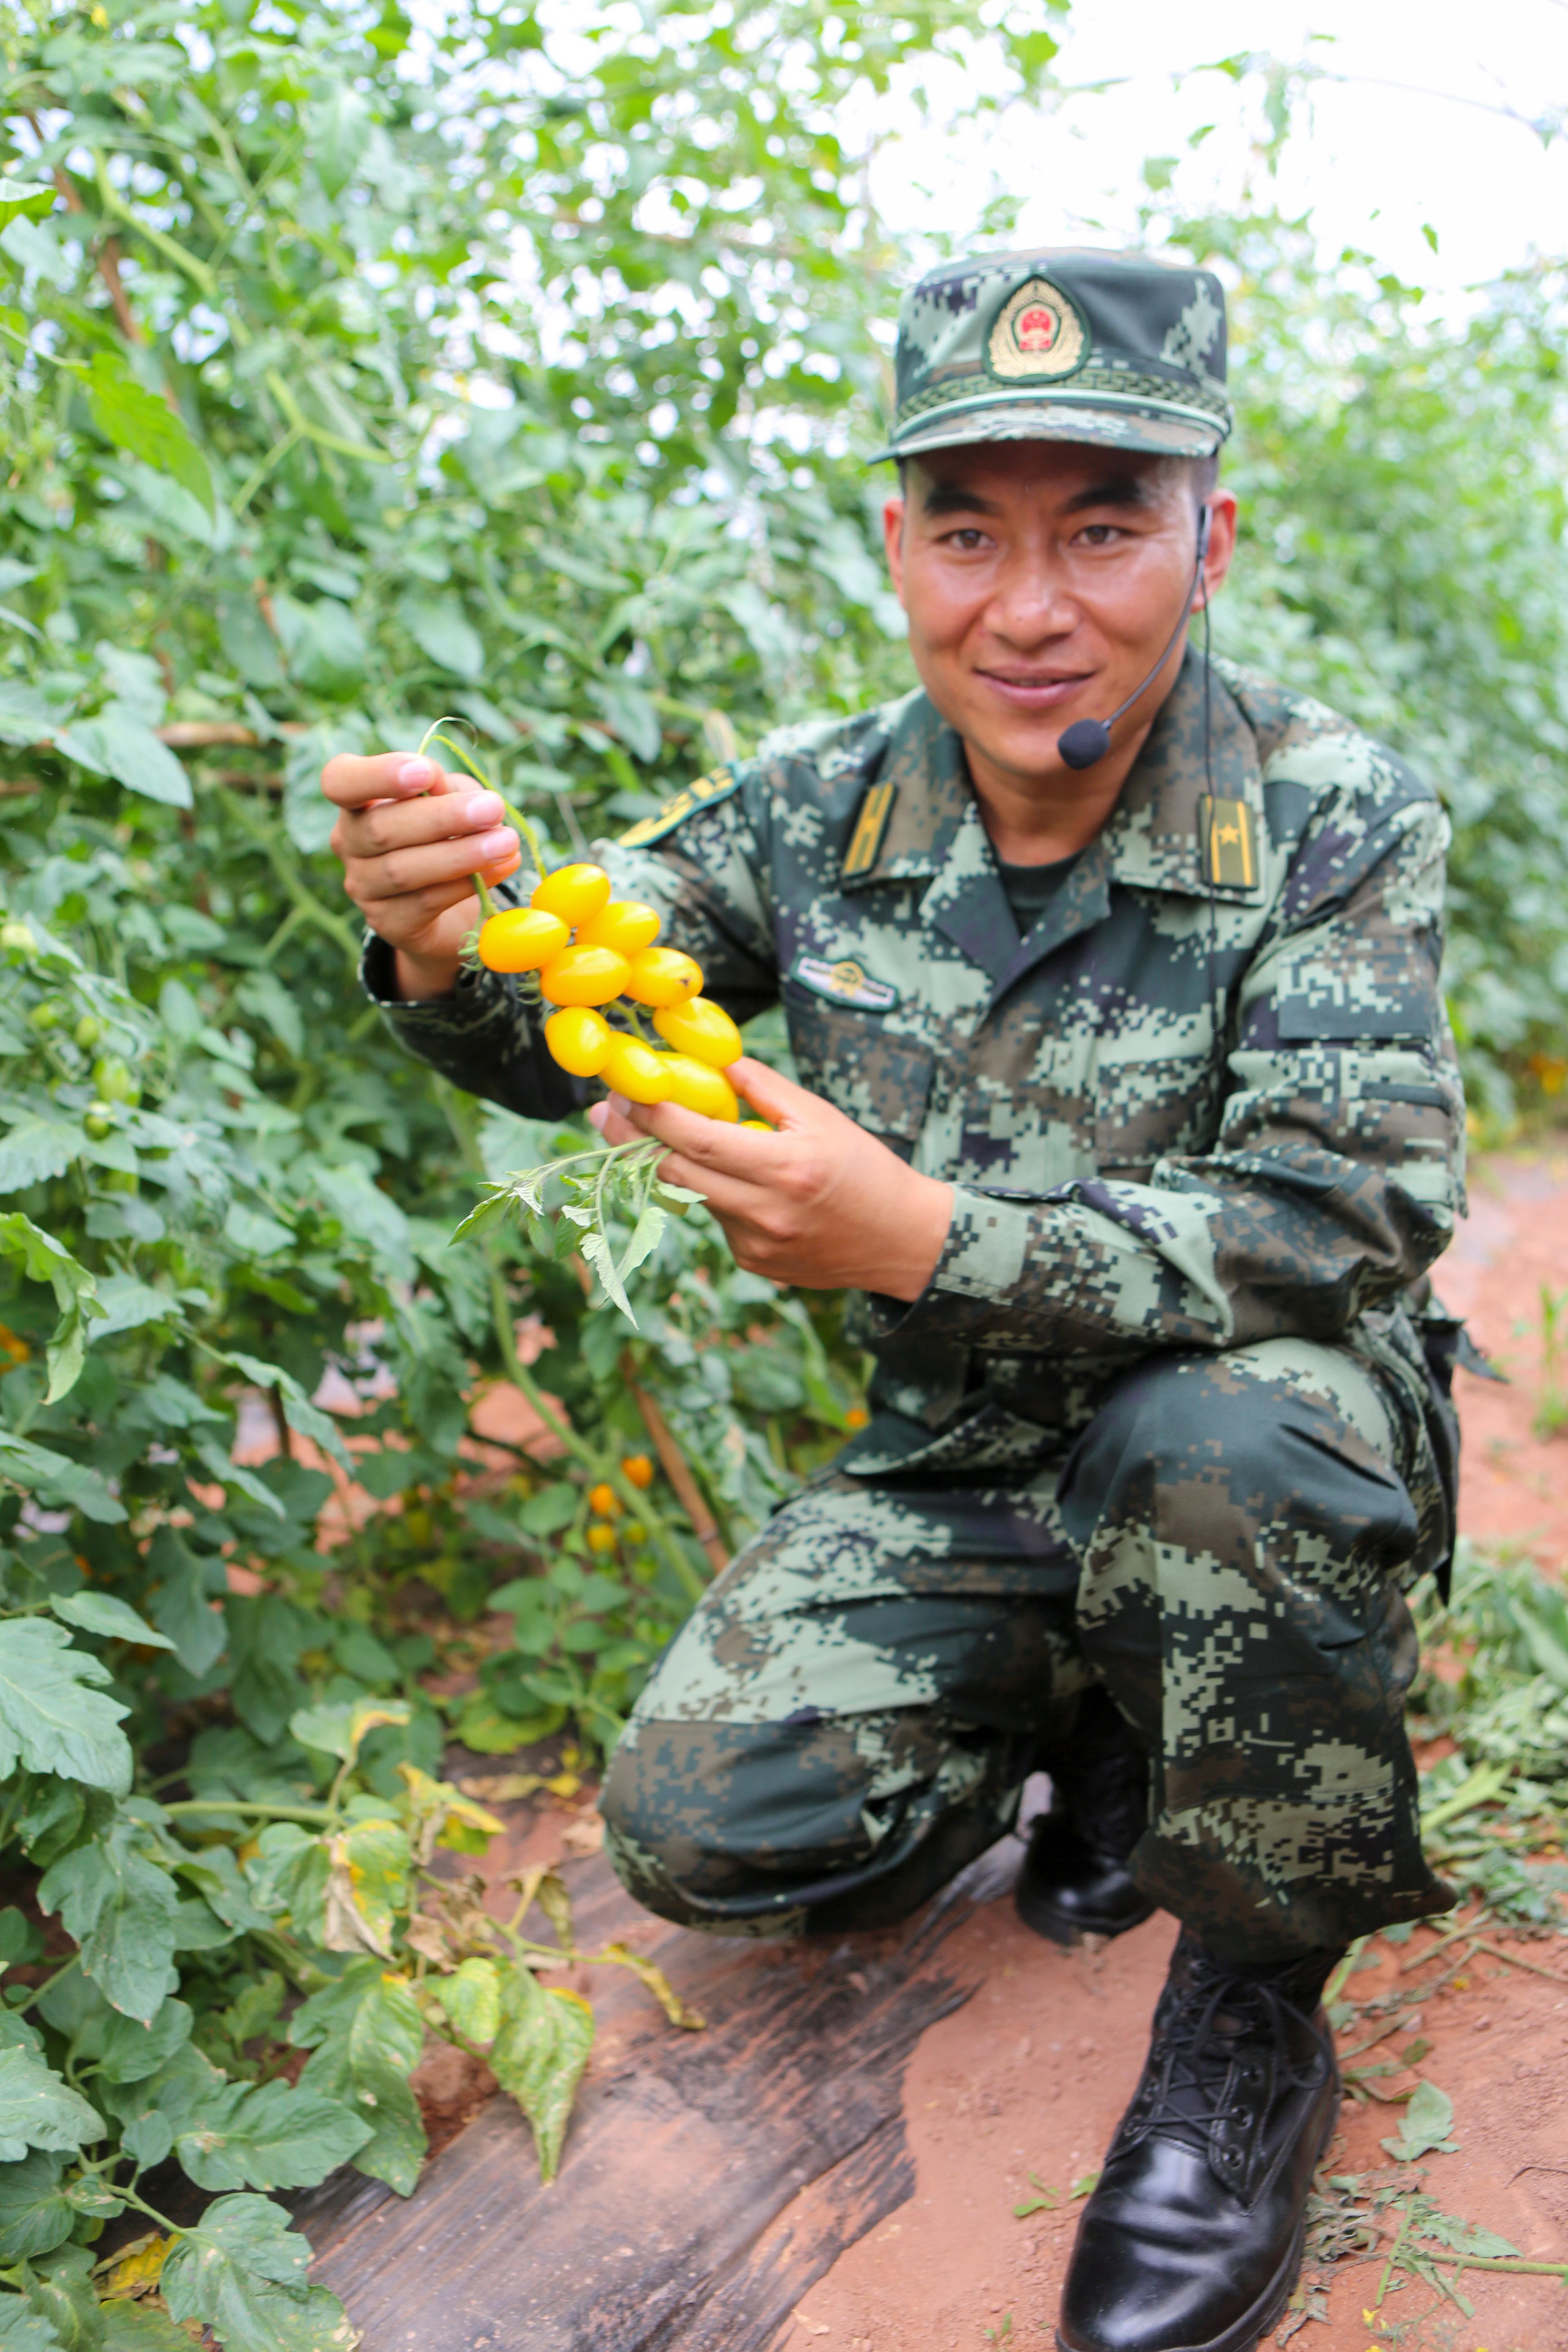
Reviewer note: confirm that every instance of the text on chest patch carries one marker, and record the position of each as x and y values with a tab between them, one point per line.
845	982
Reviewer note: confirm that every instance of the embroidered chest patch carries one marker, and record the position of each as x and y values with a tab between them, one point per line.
845	982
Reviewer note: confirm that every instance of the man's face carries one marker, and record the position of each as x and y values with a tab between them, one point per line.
1042	580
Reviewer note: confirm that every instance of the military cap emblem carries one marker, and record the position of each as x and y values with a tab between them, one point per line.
1037	332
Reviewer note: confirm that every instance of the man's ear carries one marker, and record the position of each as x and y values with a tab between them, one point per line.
894	513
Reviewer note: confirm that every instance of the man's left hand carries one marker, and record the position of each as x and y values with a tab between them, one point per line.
819	1203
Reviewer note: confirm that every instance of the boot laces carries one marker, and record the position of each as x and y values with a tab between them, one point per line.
1222	2047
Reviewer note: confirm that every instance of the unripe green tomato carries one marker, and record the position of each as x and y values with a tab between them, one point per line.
45	1016
17	937
115	1079
88	1031
120	1179
634	1531
99	1122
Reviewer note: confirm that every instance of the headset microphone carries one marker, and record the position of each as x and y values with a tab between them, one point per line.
1087	741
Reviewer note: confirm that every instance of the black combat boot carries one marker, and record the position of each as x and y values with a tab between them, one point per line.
1073	1881
1193	2239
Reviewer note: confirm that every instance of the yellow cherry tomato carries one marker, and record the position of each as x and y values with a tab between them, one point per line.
704	1031
698	1085
626	924
522	939
600	1536
605	1500
635	1070
585	976
579	1040
663	976
638	1469
572	892
765	1125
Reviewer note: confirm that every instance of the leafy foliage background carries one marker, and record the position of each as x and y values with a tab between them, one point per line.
354	372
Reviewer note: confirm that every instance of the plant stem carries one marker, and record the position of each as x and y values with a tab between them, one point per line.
49	1982
319	1815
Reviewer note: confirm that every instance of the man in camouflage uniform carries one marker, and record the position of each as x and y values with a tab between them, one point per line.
1130	1111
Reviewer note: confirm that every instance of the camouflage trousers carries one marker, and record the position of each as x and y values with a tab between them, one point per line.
848	1716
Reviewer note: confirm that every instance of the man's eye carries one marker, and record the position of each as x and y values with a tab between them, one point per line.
1098	534
967	538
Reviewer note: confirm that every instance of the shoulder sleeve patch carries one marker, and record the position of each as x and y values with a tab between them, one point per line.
706	792
1227	837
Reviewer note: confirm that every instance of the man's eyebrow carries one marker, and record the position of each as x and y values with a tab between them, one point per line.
1116	490
955	497
1124	490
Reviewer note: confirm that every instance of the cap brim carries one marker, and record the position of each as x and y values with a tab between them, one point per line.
1158	433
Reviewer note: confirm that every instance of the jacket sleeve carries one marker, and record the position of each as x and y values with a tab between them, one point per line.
1337	1171
708	880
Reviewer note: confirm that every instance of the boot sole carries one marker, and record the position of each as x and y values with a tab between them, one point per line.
1068	1928
1249	2331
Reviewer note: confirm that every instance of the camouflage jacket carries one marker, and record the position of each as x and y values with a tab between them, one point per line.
1211	1099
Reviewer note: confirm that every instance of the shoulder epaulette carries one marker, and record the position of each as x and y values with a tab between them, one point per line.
706	792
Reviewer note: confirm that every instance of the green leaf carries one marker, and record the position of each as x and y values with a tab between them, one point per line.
44	1259
138	2327
488	1731
1425	2125
37	1148
539	2056
273	2135
132	2051
471	1998
23	2329
37	2109
101	1612
339	1729
440	628
182	1607
52	1719
137	422
340	126
241	2272
23	196
366	2033
120	1906
35	2217
124	747
129	1305
57	1481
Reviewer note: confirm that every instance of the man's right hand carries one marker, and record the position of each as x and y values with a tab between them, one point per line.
411	837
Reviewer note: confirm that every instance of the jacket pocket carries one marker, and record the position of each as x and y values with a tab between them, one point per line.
880	1080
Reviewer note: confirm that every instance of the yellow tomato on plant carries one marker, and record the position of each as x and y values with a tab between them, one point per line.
572	892
579	1040
638	1469
698	1085
522	939
663	976
585	976
626	924
605	1500
600	1536
635	1070
704	1031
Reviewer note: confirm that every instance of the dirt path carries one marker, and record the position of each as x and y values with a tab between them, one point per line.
1031	2075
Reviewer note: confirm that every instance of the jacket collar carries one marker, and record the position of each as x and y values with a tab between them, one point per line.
1151	842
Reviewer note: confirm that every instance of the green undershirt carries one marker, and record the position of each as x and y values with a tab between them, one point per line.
1031	889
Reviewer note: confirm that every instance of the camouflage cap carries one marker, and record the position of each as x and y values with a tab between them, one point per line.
1062	345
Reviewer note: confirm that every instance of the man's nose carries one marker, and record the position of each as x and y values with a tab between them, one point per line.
1032	600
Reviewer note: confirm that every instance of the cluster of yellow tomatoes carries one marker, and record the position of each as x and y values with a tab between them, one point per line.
605	1504
590	950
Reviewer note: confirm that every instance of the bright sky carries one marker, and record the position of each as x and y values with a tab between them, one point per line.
1380	162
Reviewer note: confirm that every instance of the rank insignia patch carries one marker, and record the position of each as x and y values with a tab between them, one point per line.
1227	835
845	982
706	792
866	840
